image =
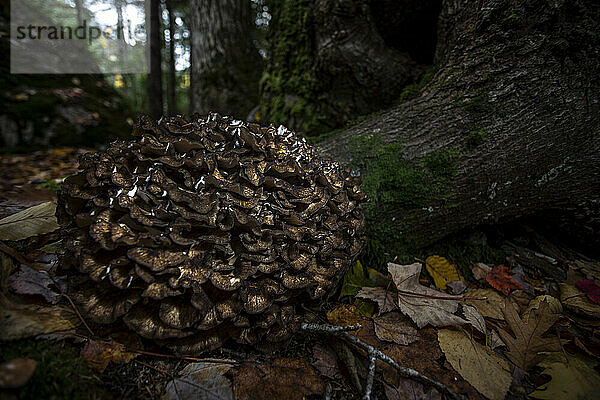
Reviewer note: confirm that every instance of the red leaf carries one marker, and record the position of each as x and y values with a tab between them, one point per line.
500	278
589	287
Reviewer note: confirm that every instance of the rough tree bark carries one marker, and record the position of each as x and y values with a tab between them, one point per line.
154	84
226	65
331	61
507	126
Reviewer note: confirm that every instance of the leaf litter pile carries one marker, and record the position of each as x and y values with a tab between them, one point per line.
527	328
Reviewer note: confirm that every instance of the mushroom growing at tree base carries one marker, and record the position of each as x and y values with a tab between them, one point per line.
203	230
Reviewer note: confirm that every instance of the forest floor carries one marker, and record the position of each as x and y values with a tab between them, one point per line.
507	312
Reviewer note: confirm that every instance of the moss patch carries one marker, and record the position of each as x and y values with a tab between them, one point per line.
393	184
476	137
413	89
60	373
288	86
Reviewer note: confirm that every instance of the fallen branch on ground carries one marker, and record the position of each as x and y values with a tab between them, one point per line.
374	353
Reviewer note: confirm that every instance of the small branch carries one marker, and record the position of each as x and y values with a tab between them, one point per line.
428	296
373	352
371	376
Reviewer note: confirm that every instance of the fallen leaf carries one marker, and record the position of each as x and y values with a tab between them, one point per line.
385	298
491	307
572	381
202	381
408	389
493	340
325	361
15	373
480	270
356	279
575	300
553	303
474	318
31	282
33	221
500	278
284	378
347	314
477	364
589	287
54	248
393	327
425	306
442	271
528	345
97	354
21	321
457	287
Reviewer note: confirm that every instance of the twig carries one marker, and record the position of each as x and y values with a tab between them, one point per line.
62	293
428	296
373	352
371	376
15	254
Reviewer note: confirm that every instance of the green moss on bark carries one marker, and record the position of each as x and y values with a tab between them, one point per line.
288	86
394	184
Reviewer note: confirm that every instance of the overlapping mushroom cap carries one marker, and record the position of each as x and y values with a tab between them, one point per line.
202	230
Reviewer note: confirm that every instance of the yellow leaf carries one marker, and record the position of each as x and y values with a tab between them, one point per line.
479	365
21	321
442	271
574	380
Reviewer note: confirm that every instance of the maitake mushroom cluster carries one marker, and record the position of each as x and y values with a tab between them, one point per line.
202	230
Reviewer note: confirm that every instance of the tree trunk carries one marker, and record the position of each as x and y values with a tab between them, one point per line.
507	126
154	84
171	83
226	65
331	61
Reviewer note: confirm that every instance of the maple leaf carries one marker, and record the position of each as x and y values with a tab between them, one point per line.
500	278
528	345
386	299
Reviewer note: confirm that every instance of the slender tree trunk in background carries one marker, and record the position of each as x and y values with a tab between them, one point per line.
171	82
121	28
155	95
508	126
226	66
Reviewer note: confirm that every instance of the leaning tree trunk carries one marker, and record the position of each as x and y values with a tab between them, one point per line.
507	126
226	65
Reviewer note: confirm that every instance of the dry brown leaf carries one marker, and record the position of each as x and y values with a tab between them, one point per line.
15	373
491	307
325	361
480	270
394	327
572	381
347	314
474	317
284	378
528	345
21	321
408	389
98	354
574	300
483	369
31	282
33	221
422	304
386	299
201	381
